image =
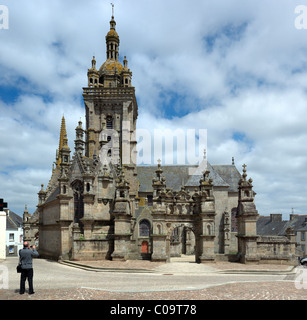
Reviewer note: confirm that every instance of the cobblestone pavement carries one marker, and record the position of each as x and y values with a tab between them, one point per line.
53	281
233	291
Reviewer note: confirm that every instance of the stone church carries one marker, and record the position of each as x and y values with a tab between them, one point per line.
100	205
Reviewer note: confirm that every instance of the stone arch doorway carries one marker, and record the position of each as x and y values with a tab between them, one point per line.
144	239
182	245
144	247
203	239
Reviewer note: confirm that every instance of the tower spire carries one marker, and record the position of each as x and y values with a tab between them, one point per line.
112	22
63	140
112	39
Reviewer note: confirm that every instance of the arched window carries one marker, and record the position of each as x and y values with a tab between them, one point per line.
144	230
209	229
78	200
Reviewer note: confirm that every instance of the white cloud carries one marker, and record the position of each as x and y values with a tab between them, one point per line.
232	67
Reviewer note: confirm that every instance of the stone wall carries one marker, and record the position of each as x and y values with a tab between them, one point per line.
97	247
224	200
50	242
233	247
276	249
91	249
49	231
221	202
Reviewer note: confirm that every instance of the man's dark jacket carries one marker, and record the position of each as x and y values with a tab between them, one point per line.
26	255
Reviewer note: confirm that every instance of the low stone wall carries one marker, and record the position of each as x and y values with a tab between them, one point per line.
221	257
95	247
92	250
276	250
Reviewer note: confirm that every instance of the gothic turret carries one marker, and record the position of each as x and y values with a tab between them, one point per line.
64	150
92	75
158	183
62	154
112	41
79	143
112	73
122	216
41	195
247	216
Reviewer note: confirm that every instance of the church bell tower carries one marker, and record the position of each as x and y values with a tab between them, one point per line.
111	111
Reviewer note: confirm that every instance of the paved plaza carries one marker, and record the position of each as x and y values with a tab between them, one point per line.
145	280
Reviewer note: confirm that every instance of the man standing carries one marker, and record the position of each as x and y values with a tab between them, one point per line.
26	255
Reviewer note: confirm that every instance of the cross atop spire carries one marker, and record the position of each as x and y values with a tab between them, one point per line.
112	10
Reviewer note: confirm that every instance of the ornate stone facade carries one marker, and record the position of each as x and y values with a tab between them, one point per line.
100	205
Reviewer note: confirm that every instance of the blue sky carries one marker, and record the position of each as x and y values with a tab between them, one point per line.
235	68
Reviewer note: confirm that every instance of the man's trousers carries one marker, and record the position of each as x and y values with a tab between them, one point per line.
26	273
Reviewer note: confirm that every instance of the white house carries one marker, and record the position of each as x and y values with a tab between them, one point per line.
2	234
14	233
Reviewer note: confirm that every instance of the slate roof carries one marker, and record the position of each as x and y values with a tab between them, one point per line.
268	226
13	220
299	223
265	226
230	174
175	176
52	196
217	179
178	175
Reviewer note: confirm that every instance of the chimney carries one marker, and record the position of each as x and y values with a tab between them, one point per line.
292	216
276	217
